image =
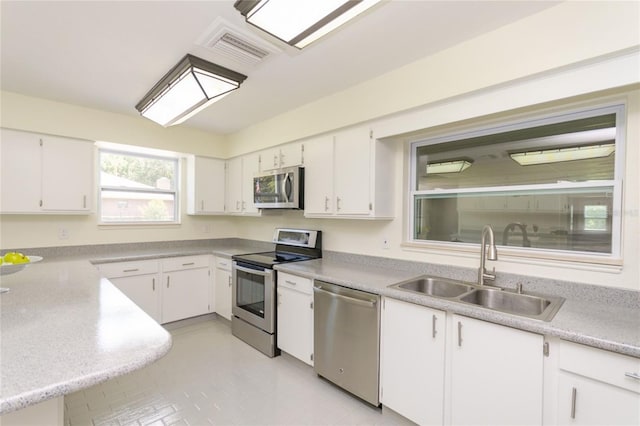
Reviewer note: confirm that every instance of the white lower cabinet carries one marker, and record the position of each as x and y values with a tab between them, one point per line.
596	387
222	304
295	316
496	374
169	289
185	287
139	281
412	361
439	368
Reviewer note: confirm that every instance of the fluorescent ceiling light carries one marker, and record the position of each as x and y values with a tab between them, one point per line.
563	154
456	166
300	22
188	88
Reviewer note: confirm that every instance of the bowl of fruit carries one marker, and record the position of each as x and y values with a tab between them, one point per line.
13	262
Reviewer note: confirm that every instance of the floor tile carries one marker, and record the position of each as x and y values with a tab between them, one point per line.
212	378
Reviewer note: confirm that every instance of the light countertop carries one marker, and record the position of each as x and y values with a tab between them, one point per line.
595	323
64	328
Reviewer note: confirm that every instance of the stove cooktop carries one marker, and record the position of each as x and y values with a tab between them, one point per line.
270	258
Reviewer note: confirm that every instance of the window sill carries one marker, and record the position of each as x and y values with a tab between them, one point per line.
581	261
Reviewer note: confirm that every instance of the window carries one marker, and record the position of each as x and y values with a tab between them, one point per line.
549	184
137	188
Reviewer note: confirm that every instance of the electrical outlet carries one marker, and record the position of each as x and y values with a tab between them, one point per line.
385	244
63	233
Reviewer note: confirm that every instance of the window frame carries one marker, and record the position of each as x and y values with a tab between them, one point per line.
619	108
144	153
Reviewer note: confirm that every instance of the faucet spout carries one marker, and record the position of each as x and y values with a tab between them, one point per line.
487	232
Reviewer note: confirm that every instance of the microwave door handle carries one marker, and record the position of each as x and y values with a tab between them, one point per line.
286	193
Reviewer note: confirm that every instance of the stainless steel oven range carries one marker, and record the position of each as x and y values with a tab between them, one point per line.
254	286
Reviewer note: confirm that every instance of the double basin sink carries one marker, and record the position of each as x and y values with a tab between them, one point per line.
507	301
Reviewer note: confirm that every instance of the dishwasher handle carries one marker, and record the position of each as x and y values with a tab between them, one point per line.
360	302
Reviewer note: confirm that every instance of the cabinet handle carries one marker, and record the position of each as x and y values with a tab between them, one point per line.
574	392
84	201
229	281
130	270
326	204
279	299
632	375
202	205
338	200
275	160
290	282
459	334
189	264
237	205
153	284
168	278
244	205
433	327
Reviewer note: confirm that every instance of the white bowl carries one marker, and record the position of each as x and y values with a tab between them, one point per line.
10	268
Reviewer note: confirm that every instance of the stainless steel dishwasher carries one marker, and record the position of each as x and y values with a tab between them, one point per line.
346	342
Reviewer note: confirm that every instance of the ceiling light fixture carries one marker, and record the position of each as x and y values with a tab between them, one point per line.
455	166
188	88
300	22
563	154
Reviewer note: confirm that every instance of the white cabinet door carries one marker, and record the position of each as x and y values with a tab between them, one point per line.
185	294
295	316
67	174
45	174
234	186
139	281
352	171
205	185
143	290
240	174
583	401
20	173
223	293
250	166
496	374
291	154
412	361
288	155
597	387
318	177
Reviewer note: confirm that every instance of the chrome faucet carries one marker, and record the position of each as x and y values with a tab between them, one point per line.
493	255
510	227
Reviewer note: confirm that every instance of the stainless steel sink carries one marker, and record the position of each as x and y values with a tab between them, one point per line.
514	303
434	286
534	306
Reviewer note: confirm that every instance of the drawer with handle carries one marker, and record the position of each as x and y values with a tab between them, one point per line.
294	282
129	268
608	367
223	263
185	262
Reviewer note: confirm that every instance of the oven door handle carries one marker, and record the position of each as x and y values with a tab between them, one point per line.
264	273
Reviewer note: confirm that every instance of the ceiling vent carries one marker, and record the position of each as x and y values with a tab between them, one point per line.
224	39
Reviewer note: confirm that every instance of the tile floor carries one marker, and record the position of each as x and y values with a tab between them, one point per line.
212	378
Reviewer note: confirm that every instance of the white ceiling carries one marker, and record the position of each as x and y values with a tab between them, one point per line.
108	54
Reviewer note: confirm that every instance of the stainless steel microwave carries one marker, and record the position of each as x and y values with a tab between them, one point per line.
279	189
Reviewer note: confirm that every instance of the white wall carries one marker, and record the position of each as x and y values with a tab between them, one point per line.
563	54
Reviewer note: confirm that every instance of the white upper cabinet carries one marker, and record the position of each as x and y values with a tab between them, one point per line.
318	177
239	188
288	155
45	174
205	185
349	175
